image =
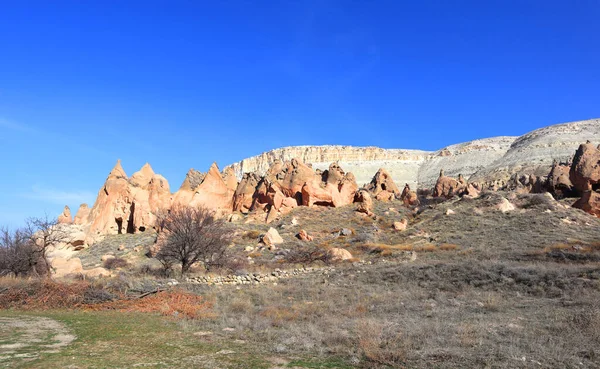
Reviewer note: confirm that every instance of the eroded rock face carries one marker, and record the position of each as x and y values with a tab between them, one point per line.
296	175
82	215
333	187
558	181
589	202
585	170
111	211
446	186
213	192
127	205
408	197
365	203
244	193
382	186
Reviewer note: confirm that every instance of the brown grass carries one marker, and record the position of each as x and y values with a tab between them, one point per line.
176	303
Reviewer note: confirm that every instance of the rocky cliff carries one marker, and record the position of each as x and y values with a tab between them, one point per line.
363	162
482	160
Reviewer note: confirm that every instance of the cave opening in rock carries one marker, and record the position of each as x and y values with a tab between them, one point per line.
119	222
142	229
130	224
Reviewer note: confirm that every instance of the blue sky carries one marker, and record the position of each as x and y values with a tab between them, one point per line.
183	83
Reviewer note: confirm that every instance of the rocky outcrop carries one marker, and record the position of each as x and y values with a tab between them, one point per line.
585	170
83	214
558	182
490	162
534	152
382	186
212	192
408	197
365	203
464	158
243	196
589	202
333	187
361	161
65	216
446	186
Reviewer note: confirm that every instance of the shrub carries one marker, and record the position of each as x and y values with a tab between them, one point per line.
115	263
192	235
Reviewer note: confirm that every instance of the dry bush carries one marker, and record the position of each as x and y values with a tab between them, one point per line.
278	315
115	263
48	294
176	303
448	247
426	248
381	343
308	254
192	235
252	234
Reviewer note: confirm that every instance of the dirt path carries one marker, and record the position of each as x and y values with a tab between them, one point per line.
26	337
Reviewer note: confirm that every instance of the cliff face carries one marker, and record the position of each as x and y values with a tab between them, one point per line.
534	152
415	167
483	160
363	162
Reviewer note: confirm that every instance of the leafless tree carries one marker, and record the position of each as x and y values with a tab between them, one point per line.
190	235
23	250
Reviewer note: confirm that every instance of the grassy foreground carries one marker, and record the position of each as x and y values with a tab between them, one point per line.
126	340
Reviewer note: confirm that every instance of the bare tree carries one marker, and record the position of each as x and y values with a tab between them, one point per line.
190	235
23	250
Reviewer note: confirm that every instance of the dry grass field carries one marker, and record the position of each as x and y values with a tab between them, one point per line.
488	289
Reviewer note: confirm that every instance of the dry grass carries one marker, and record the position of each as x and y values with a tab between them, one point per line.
176	303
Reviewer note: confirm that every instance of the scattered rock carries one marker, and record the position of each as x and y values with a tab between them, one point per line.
271	238
304	236
337	254
401	225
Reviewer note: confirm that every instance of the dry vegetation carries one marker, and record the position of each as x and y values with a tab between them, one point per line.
487	289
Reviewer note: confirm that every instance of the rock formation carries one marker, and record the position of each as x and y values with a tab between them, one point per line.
585	170
382	186
65	217
489	162
408	197
333	187
365	203
558	182
82	215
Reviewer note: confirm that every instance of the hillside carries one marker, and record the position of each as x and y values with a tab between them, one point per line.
483	160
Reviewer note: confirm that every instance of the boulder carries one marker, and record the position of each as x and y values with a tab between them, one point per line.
106	257
558	181
408	197
505	206
365	203
401	225
63	267
585	170
304	236
65	216
337	254
589	202
272	237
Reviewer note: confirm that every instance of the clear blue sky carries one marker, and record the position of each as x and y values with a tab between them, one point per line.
183	83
